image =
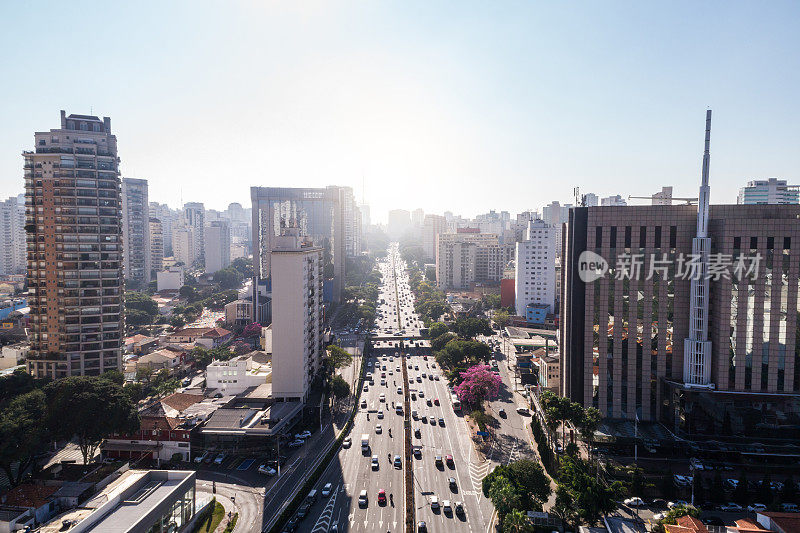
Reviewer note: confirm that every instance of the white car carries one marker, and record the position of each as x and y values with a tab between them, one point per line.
303	435
733	507
266	469
378	429
434	502
380	413
634	502
756	507
326	490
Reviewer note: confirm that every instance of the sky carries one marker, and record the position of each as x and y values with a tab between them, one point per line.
461	106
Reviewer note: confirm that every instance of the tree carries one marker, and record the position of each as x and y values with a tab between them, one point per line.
438	343
517	522
504	496
177	321
671	517
533	483
478	384
339	388
501	318
140	301
90	409
471	327
436	329
15	384
589	423
136	318
22	434
459	353
565	507
243	265
188	292
338	357
741	494
144	374
115	376
228	278
252	330
592	497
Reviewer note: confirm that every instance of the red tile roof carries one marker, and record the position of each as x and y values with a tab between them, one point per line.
180	400
788	522
217	333
28	495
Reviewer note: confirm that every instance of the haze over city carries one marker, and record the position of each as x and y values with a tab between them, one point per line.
463	100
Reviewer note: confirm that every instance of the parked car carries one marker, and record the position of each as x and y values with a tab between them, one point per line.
218	460
756	507
730	506
303	435
326	490
296	443
266	469
634	502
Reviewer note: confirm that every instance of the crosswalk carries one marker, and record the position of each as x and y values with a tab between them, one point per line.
324	520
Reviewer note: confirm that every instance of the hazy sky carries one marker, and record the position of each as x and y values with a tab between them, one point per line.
461	106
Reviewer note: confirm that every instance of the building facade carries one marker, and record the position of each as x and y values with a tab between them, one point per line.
217	246
769	191
534	274
75	270
12	236
469	257
168	218
136	232
297	315
156	245
432	226
555	215
619	335
194	217
184	245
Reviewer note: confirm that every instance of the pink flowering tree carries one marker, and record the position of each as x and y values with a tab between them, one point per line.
479	384
252	330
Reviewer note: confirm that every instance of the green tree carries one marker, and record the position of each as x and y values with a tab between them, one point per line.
134	391
141	302
517	522
243	265
438	343
590	420
228	278
533	483
115	376
177	321
437	329
671	517
90	409
22	434
144	374
471	327
15	384
137	318
592	496
504	496
188	292
339	388
338	357
459	353
501	318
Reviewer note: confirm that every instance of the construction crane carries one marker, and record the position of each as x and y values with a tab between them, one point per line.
689	201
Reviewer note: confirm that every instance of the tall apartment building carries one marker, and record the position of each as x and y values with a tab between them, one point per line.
297	315
534	275
556	214
468	257
769	191
75	271
169	218
590	200
318	213
13	252
156	245
366	220
351	223
217	246
194	217
399	223
136	232
610	201
432	226
184	245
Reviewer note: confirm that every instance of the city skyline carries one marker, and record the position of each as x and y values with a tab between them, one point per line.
534	100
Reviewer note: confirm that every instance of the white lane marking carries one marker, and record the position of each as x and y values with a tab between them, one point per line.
325	517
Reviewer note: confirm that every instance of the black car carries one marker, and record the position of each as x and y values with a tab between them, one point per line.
422	527
502	413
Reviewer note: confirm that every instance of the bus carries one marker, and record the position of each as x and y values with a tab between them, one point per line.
456	403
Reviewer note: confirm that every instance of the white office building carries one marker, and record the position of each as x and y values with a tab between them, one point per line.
217	246
194	217
238	374
769	191
13	251
296	315
535	274
432	227
555	215
615	200
170	279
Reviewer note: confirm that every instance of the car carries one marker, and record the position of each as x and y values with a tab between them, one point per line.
428	402
398	409
201	458
789	507
417	452
523	411
380	413
266	469
399	390
434	503
446	507
414	414
363	404
416	367
382	397
378	429
398	462
452	483
422	394
326	490
634	502
418	433
502	413
732	483
302	512
424	375
436	401
347	442
419	379
731	507
296	443
303	435
441	421
366	388
678	503
713	521
186	382
432	420
363	501
218	460
422	527
430	377
680	480
448	459
436	377
438	461
459	508
381	497
291	525
756	507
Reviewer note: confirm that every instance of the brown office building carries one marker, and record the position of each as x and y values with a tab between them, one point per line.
623	339
74	239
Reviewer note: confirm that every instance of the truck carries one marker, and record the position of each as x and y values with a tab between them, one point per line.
365	442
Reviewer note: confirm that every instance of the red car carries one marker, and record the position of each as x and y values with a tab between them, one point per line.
449	460
381	497
436	401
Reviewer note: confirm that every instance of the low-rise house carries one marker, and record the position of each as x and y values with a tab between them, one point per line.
206	337
239	373
140	344
173	359
239	312
13	354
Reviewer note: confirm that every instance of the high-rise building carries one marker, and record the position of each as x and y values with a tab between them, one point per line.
399	223
217	246
75	270
12	236
156	245
351	223
534	276
432	226
136	232
318	213
556	214
194	216
236	213
297	315
590	200
611	201
468	257
169	218
366	222
417	217
183	245
769	191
